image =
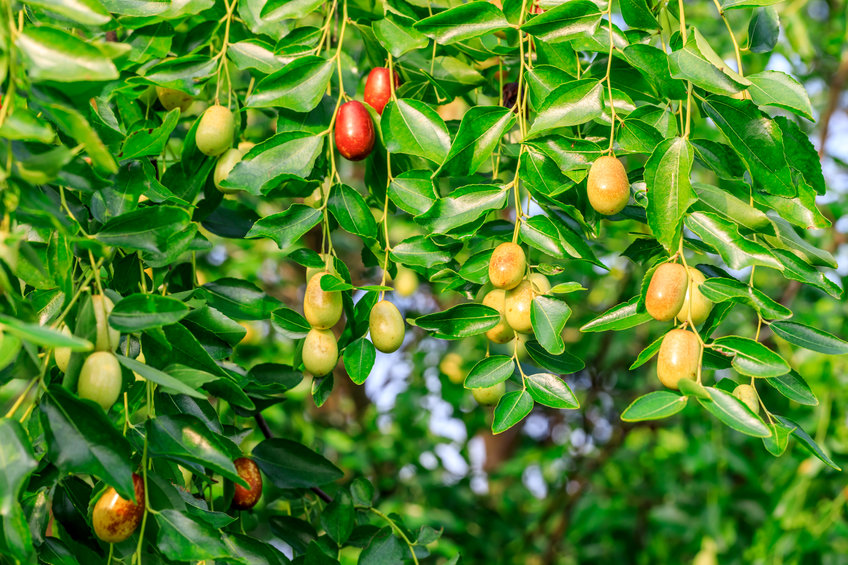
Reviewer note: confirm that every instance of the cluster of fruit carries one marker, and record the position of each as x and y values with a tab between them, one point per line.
354	130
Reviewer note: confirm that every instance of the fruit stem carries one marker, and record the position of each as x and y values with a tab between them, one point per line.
326	27
689	87
732	37
222	54
689	321
399	532
608	81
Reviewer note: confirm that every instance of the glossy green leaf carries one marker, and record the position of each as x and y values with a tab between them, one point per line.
774	88
412	127
239	299
794	387
654	406
763	30
669	192
490	371
287	155
734	413
698	63
563	364
571	104
398	35
350	210
809	443
413	191
298	86
359	358
463	206
620	317
286	228
481	129
548	316
565	22
735	250
289	464
720	289
809	337
463	22
52	54
182	538
511	409
751	357
550	390
457	322
139	312
42	335
146	229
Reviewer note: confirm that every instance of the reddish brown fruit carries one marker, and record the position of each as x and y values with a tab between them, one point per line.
378	89
246	498
667	291
115	518
354	131
680	353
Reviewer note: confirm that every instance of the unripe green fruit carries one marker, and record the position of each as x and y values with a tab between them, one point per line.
541	284
701	305
114	518
406	282
229	159
748	395
489	395
108	338
100	379
386	326
171	98
451	366
246	498
320	352
214	133
501	333
607	186
63	354
322	309
680	353
507	266
519	302
666	291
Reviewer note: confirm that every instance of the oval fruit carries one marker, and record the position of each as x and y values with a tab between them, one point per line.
246	498
320	352
541	284
107	337
501	333
406	282
507	265
519	301
678	359
748	395
489	395
229	159
114	518
701	305
354	131
386	326
215	131
100	379
451	366
171	98
666	291
321	308
245	146
378	88
607	186
63	354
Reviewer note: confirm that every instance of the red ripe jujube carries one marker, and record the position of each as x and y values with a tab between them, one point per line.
354	131
378	89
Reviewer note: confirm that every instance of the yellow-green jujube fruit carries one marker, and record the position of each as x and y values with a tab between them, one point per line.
100	379
108	337
501	333
541	284
507	266
701	305
519	302
406	282
607	186
140	359
229	159
386	326
215	131
320	352
171	98
666	291
321	308
245	146
63	354
680	353
748	395
489	395
451	366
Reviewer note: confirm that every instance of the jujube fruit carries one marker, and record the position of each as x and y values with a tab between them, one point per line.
171	98
386	326
378	88
406	282
229	159
748	395
501	333
100	379
701	305
214	133
115	518
322	308
354	131
320	352
680	353
451	367
63	354
519	301
666	291
607	187
246	498
490	394
108	338
507	265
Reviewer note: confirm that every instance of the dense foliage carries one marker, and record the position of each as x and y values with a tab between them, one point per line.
265	263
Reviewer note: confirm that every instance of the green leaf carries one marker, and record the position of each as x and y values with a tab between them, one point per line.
24	125
286	228
146	229
774	88
620	317
794	387
42	335
563	364
463	206
548	316
490	371
697	62
287	155
413	127
550	390
338	518
239	299
254	53
732	208
736	251
291	9
734	413
150	141
763	30
751	357
654	406
512	408
481	129
809	337
359	358
647	354
420	251
51	54
170	384
139	312
808	443
463	22
565	22
636	13
17	462
730	4
181	538
298	86
692	388
669	192
636	136
290	323
85	12
777	443
351	212
397	34
571	104
412	191
457	322
721	289
292	465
